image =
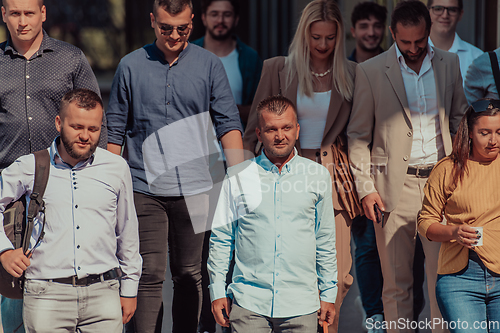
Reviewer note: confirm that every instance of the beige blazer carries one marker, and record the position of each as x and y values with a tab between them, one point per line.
380	132
272	82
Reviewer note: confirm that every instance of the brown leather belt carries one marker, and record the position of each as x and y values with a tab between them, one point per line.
112	274
420	171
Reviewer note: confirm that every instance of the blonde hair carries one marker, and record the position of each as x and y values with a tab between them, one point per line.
299	56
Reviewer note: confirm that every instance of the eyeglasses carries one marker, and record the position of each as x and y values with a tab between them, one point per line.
439	10
485	105
182	30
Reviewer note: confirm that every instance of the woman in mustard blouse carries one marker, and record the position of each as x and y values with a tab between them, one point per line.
465	188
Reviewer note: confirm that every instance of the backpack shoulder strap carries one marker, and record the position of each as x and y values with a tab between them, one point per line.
42	169
496	70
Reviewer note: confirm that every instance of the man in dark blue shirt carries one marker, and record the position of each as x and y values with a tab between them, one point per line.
164	99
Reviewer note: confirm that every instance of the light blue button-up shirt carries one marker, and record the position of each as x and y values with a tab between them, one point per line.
91	223
282	228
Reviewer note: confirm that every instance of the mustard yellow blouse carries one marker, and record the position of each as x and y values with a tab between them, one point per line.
475	201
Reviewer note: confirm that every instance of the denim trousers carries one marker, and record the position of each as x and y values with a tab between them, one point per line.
51	307
367	264
12	315
166	226
470	299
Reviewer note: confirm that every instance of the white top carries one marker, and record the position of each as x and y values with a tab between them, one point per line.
427	146
233	72
466	53
312	114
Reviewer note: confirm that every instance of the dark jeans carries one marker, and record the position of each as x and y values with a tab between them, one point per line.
369	273
367	264
162	219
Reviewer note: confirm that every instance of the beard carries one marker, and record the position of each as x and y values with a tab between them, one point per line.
221	37
74	152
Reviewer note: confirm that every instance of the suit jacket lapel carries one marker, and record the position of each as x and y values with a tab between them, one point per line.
439	67
333	110
396	79
290	92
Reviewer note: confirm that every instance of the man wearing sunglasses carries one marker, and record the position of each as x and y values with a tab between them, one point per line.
163	100
445	15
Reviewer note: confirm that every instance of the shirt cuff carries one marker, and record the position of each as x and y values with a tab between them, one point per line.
217	290
329	295
128	288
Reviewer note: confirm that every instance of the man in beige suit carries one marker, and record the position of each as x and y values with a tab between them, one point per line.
407	104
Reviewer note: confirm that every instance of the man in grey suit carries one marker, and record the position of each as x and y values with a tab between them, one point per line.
407	104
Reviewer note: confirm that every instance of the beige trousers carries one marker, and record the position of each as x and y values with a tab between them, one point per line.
396	248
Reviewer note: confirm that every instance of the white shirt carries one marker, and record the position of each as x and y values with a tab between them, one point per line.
427	146
91	223
233	72
466	53
312	113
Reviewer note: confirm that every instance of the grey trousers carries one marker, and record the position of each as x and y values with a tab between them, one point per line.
245	321
51	307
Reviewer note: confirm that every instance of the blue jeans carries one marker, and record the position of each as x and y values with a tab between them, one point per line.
12	315
470	299
367	263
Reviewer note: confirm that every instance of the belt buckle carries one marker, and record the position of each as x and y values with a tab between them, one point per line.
423	168
73	280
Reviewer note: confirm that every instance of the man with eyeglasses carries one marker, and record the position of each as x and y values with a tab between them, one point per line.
242	63
445	15
163	101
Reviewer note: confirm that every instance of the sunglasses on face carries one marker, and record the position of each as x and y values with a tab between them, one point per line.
485	105
166	29
439	10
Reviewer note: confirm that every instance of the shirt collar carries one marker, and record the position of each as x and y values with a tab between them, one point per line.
161	56
46	45
401	59
458	44
57	159
267	165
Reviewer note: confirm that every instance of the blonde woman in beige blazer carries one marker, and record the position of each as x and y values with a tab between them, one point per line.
316	63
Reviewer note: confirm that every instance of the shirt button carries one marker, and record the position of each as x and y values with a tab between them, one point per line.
75	186
325	153
276	291
279	236
277	274
78	267
28	97
278	217
76	206
168	85
410	134
278	255
405	158
27	76
78	246
30	118
77	227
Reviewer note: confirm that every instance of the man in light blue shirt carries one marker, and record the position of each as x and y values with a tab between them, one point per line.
275	211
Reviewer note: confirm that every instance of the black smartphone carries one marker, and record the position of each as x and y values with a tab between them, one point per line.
379	215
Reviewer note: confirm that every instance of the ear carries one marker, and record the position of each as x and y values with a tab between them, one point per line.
58	123
298	130
353	32
3	13
152	17
236	20
460	16
204	19
392	33
257	131
43	10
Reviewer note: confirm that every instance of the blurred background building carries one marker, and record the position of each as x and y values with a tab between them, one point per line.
106	30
